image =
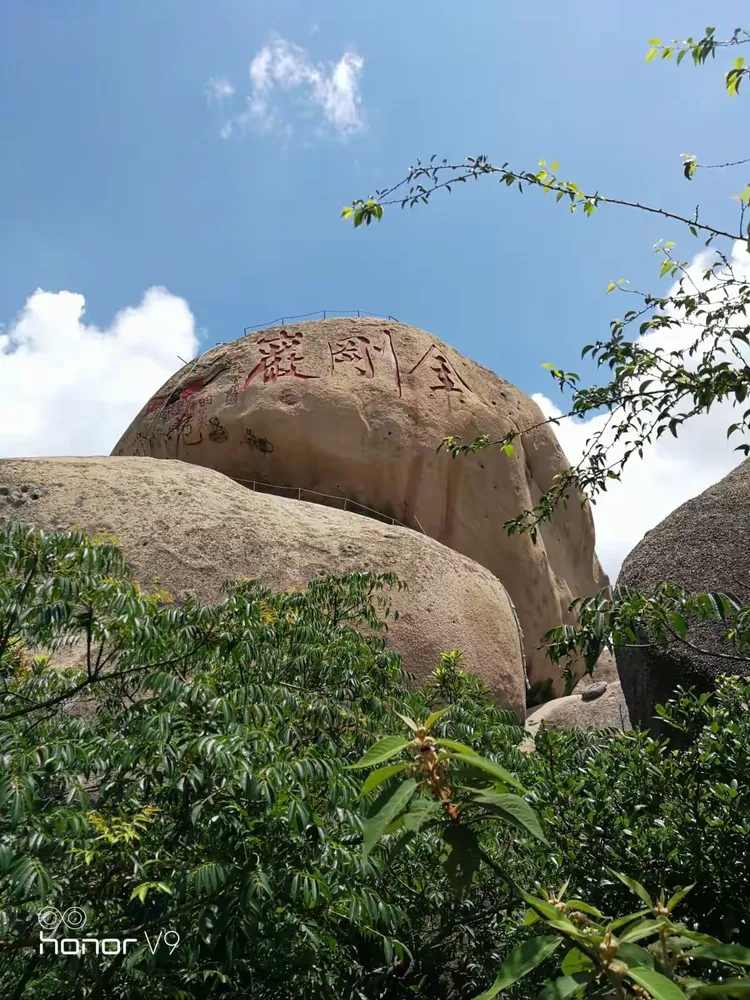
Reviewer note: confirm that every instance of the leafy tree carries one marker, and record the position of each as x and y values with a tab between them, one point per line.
649	391
690	820
194	778
666	817
187	778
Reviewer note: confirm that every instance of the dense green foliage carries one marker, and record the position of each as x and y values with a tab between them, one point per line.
205	789
194	774
669	817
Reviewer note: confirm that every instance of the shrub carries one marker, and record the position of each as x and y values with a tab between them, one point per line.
190	776
668	817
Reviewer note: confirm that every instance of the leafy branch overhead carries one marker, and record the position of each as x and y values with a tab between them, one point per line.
648	389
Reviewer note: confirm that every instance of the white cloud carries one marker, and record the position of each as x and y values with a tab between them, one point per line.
69	388
285	85
219	89
673	470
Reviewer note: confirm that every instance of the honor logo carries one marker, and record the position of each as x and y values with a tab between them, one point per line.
74	919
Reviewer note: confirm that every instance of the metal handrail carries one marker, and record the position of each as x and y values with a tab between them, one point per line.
325	314
348	503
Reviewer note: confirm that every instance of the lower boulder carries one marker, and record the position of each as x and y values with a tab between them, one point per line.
702	546
591	708
596	703
195	528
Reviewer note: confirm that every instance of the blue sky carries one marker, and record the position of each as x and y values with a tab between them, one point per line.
115	178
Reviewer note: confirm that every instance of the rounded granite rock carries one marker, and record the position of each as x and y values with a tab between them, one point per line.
194	528
607	711
701	546
354	411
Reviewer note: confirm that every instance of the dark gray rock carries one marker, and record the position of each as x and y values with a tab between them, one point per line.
701	546
593	691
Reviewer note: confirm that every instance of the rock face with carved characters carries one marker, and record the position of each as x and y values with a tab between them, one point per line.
356	409
194	529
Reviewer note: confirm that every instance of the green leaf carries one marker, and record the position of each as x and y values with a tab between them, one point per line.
347	212
432	719
645	928
678	624
635	886
458	747
520	962
140	892
733	954
465	857
581	907
611	287
391	808
651	53
489	767
697	936
634	956
565	987
729	988
382	774
380	751
514	810
509	450
657	985
621	921
409	722
575	961
679	896
420	812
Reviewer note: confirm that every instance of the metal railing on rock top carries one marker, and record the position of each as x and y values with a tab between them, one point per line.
321	314
342	503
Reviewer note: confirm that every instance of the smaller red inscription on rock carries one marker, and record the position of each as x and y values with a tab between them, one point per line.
154	404
232	395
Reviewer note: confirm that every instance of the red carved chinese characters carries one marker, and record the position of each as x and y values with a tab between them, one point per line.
446	375
360	352
356	350
279	357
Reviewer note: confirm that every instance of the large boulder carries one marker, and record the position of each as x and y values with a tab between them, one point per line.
701	546
194	528
353	410
589	708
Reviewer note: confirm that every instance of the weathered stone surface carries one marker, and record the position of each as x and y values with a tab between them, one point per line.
701	546
356	408
195	528
593	691
605	670
608	711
